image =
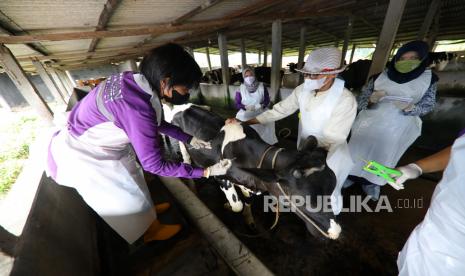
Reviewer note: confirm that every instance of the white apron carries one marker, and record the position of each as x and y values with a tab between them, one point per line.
437	245
384	133
312	122
101	165
266	131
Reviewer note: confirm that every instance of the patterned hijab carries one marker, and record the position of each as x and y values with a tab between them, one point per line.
250	87
418	46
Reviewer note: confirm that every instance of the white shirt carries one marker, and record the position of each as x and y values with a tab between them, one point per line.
338	127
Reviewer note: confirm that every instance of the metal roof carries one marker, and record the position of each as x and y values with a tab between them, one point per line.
93	32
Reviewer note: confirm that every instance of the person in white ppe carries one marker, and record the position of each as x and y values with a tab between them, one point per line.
251	100
327	111
437	245
391	104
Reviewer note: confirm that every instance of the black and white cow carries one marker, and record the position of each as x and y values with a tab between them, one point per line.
303	173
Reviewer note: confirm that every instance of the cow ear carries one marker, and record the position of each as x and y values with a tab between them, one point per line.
297	174
308	144
262	174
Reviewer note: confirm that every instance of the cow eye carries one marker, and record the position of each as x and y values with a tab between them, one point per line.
297	174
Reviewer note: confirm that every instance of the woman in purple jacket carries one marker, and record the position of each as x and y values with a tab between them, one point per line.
117	121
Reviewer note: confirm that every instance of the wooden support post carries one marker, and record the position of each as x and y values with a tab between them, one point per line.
352	53
347	38
190	51
128	65
64	79
70	78
276	56
48	82
432	11
302	46
243	54
58	83
265	52
434	33
4	103
223	47
387	36
300	60
259	57
208	59
24	85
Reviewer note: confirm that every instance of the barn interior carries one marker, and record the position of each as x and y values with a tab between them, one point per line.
53	52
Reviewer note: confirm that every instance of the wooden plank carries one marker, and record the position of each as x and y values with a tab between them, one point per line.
350	23
48	81
158	29
108	10
223	47
426	25
243	54
387	36
276	56
24	85
33	47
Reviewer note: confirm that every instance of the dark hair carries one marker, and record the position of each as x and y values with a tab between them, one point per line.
170	61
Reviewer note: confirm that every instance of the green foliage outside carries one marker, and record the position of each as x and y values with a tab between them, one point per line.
17	132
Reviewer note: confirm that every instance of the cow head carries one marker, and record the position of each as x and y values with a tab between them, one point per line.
307	177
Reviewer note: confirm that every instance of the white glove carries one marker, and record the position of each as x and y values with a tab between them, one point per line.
199	144
411	171
219	168
258	106
376	96
250	107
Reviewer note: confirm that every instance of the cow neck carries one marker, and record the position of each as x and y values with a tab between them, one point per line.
270	151
285	158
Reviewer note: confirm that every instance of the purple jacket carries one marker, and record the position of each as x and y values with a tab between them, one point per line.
462	133
133	112
238	99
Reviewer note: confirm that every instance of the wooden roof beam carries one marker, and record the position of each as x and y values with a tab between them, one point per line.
107	12
31	46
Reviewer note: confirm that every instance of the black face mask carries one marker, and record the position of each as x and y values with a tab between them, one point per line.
177	98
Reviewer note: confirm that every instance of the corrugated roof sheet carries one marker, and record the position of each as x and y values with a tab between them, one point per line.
52	14
144	12
59	16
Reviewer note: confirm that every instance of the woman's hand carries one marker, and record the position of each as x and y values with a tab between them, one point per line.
231	121
376	96
411	171
199	144
220	168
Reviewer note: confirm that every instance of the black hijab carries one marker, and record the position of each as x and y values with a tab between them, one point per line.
418	46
